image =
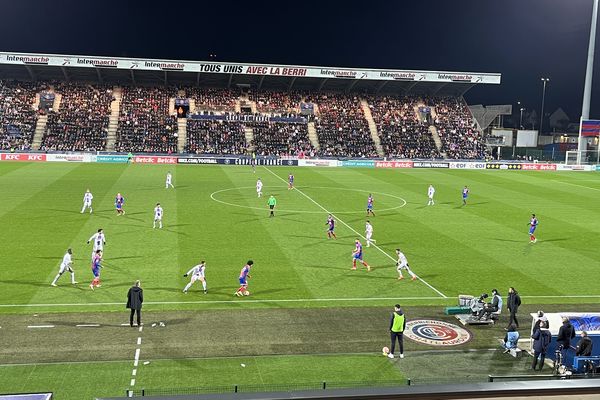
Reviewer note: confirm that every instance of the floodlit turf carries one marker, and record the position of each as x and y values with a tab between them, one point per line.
214	215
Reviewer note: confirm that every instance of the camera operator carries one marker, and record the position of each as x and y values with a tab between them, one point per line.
491	307
566	333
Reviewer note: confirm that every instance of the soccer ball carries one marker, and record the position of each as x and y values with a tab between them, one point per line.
246	293
385	351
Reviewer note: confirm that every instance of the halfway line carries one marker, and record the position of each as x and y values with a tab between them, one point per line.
353	230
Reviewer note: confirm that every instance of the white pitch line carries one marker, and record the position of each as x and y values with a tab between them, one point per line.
574	184
40	326
132	382
134	372
139	341
353	230
87	325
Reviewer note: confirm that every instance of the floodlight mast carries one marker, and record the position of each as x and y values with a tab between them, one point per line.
589	71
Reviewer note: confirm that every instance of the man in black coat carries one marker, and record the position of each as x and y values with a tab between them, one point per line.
584	346
512	303
566	333
135	298
541	339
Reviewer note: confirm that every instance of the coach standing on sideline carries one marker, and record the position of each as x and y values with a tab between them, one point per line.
397	326
513	302
135	298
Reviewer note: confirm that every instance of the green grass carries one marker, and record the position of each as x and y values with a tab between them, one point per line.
453	249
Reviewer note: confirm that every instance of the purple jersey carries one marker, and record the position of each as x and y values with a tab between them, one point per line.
370	202
532	225
244	272
331	223
119	201
291	178
358	251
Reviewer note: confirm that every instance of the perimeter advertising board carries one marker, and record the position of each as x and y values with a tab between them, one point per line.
31	157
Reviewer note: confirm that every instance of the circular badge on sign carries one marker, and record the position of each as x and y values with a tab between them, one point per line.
436	333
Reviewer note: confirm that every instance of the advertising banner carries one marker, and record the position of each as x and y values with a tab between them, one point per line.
111	159
510	166
32	157
393	164
317	163
538	167
467	165
563	167
154	160
430	164
69	157
359	163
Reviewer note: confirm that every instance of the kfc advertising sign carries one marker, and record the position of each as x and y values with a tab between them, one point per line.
33	157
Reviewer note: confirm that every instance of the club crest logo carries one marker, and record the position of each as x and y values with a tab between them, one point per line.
436	333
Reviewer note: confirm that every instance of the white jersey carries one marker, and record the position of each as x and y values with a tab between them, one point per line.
65	265
259	186
98	239
197	271
402	261
430	191
169	177
87	198
369	229
158	212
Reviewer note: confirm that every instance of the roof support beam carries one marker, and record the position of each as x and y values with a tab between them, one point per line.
381	86
198	79
409	88
443	85
132	76
31	73
99	75
262	78
64	71
351	85
466	89
166	79
292	83
229	82
322	84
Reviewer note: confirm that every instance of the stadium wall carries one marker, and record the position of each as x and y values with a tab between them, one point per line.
302	162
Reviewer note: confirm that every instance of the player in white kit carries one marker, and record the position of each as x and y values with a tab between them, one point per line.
87	201
430	193
169	181
197	273
66	265
403	264
158	214
369	233
99	241
259	186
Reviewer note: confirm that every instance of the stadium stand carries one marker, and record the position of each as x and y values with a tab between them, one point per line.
17	114
145	124
457	129
402	134
215	137
81	122
281	139
207	99
341	126
271	102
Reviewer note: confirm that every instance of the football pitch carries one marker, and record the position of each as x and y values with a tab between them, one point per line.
309	318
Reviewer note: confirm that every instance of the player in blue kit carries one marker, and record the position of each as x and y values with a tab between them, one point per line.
119	201
330	227
244	275
357	254
533	223
465	195
290	182
370	205
96	266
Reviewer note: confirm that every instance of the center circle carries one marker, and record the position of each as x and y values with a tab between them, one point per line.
214	197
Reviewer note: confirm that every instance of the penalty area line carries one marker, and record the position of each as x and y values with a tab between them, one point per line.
352	229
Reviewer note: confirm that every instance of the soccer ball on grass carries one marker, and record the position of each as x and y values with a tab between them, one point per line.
246	293
385	351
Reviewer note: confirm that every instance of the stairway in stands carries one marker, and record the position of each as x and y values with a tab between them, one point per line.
313	136
40	125
249	133
181	134
372	127
113	119
435	134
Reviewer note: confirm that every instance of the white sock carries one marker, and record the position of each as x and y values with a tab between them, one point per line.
204	285
72	277
185	289
56	279
160	224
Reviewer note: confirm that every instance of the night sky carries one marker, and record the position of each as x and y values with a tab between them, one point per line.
522	39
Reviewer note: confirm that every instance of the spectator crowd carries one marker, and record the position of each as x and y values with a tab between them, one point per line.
215	137
281	139
457	129
17	114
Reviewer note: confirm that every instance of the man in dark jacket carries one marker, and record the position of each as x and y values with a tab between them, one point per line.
566	333
541	339
585	345
491	307
512	303
397	326
135	298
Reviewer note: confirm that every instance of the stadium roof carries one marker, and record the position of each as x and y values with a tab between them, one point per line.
26	66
